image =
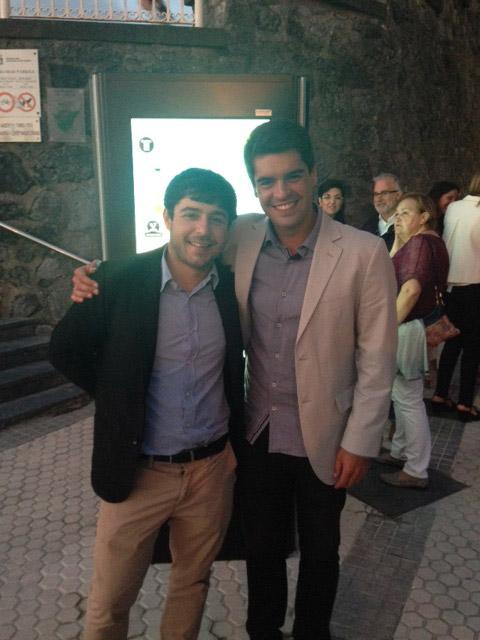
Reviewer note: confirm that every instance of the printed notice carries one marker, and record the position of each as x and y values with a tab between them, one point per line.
65	115
20	130
20	107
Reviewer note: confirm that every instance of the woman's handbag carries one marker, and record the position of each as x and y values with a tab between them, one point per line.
438	327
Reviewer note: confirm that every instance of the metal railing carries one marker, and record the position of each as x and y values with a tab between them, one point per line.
48	245
175	12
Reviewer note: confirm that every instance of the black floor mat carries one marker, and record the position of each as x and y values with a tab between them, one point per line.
393	501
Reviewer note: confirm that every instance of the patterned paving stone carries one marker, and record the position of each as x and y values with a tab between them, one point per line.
408	578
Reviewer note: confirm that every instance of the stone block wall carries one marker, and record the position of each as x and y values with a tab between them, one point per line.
394	86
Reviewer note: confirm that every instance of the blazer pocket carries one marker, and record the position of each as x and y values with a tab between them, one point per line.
344	399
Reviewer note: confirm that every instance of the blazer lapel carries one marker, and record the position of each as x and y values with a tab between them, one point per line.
148	300
249	247
325	258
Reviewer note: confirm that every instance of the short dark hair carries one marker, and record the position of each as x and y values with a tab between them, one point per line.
326	185
442	187
278	136
201	185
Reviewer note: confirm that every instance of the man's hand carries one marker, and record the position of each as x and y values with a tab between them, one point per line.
349	469
83	286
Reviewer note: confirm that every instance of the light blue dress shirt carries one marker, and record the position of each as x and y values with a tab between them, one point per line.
185	404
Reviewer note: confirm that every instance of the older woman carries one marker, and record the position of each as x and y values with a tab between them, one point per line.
421	266
462	237
331	199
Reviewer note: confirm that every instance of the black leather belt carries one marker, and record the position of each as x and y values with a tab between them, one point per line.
189	455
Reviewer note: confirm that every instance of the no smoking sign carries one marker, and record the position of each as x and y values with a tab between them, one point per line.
26	102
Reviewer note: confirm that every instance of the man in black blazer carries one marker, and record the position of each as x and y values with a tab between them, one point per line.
161	353
387	191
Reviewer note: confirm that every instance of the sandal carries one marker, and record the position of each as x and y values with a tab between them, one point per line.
442	406
469	414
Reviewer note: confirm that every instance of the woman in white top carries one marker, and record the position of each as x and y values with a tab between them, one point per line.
462	237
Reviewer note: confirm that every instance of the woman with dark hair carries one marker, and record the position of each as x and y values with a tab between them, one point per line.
331	199
462	237
421	266
443	193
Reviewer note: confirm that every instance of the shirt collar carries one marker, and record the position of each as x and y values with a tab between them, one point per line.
309	242
383	224
212	276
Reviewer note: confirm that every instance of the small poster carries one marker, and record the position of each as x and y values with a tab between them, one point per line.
66	115
20	106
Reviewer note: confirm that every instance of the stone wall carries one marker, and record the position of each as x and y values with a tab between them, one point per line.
395	86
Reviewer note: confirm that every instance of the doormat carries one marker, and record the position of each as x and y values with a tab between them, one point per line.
394	501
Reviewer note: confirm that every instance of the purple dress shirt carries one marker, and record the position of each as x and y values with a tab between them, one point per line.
276	298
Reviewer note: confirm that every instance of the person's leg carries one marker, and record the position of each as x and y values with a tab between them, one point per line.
397	449
410	410
451	348
266	486
197	529
126	533
446	366
470	302
318	514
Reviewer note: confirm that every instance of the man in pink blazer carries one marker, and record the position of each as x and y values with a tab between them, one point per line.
317	306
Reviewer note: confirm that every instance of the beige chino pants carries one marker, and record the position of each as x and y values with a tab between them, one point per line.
196	499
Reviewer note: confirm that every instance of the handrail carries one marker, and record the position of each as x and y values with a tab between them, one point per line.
53	247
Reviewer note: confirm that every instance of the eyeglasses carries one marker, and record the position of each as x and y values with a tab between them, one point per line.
378	194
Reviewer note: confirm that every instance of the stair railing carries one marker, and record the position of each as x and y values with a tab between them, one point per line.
48	245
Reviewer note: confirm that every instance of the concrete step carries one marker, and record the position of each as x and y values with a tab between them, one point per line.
28	378
12	328
14	353
57	400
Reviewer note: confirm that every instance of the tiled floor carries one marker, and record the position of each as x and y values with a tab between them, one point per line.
416	577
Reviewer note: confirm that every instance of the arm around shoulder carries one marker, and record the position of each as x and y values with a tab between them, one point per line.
76	339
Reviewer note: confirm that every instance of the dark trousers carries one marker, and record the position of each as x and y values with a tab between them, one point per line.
274	489
463	309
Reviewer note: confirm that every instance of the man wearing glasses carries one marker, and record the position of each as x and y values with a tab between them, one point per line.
386	193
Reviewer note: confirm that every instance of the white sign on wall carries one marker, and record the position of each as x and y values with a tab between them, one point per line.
20	107
162	147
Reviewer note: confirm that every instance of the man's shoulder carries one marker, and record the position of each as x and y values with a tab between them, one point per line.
245	228
117	270
248	220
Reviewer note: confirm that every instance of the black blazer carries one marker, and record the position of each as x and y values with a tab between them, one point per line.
371	225
106	345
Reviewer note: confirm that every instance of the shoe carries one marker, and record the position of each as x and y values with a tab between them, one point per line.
404	480
387	458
